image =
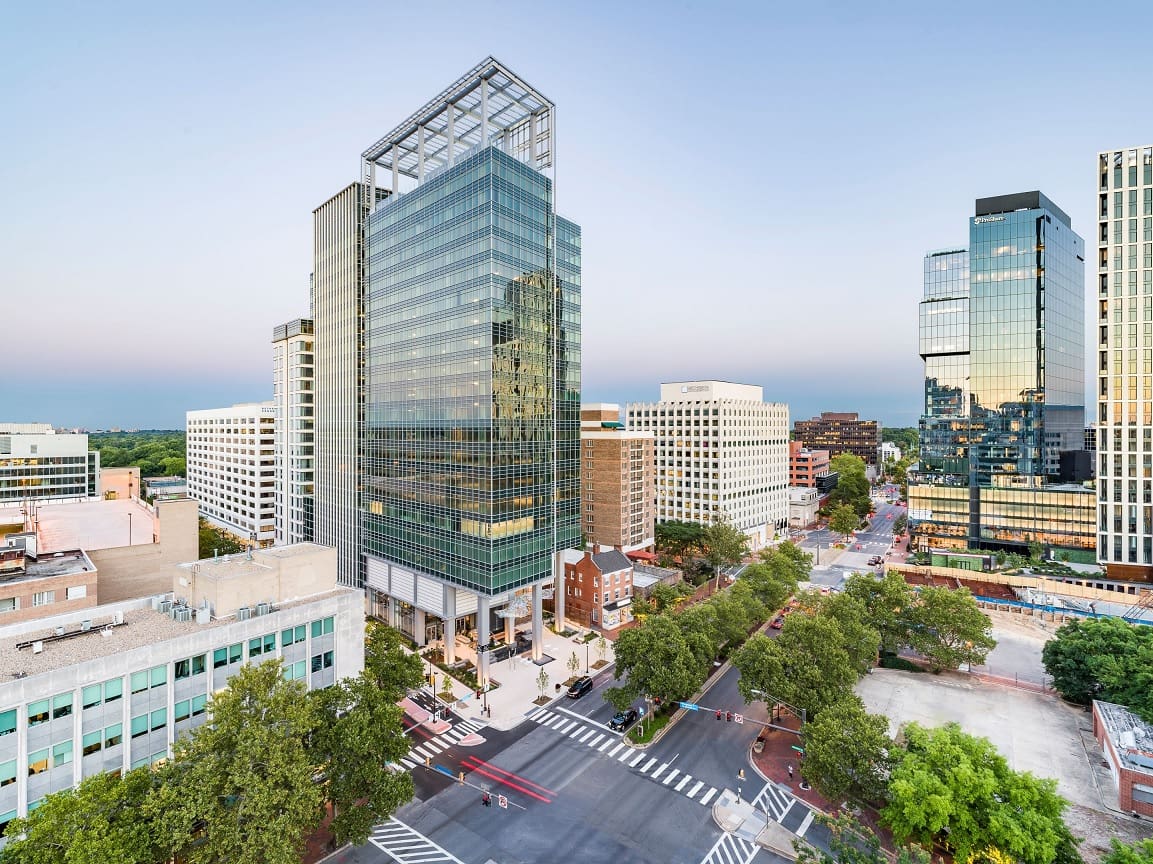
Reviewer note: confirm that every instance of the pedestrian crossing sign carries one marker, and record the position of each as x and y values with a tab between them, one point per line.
502	802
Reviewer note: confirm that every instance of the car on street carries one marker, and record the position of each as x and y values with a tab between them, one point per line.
622	720
778	622
875	560
580	687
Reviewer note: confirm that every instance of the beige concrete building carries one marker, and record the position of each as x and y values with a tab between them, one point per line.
33	584
618	480
120	482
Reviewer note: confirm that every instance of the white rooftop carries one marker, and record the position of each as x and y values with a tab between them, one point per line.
94	525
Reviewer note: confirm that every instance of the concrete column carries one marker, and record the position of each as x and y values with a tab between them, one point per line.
449	624
510	623
418	628
558	588
537	624
482	638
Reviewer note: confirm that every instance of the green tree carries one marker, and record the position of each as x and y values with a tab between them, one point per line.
663	597
738	610
887	601
701	628
862	640
769	589
358	733
844	520
900	524
851	842
655	660
949	628
725	544
388	665
905	437
98	822
245	780
213	541
573	663
542	682
1140	852
847	752
852	487
956	789
679	538
1102	658
788	561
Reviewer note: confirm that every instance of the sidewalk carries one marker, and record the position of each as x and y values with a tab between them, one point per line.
517	676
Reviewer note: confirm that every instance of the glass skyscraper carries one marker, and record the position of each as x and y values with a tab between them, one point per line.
468	404
1002	339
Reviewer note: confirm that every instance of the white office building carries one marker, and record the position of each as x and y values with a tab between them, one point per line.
292	392
720	448
111	688
38	463
232	468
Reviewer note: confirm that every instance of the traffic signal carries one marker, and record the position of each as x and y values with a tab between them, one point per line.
479	693
729	716
718	713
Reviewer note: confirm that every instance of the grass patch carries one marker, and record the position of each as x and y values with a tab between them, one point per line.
651	726
892	661
591	636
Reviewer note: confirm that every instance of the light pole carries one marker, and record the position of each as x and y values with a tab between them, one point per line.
586	658
129	529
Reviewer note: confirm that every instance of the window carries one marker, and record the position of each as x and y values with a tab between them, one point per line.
139	726
159	676
183	669
298	670
113	734
43	598
91	696
7	773
37	762
235	653
322	627
113	689
139	682
61	753
159	719
91	743
8	721
262	645
77	592
38	712
292	636
199	705
199	663
227	656
322	661
8	604
182	710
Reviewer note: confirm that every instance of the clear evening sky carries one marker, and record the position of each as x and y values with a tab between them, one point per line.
757	183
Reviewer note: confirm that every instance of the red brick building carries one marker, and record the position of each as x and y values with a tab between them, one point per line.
841	432
806	465
1127	744
598	589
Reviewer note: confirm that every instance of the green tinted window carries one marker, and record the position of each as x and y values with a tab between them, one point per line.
219	658
8	720
113	734
159	676
92	695
38	712
113	689
92	742
139	725
139	682
61	705
182	710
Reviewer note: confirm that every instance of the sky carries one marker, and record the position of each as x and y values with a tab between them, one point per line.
756	183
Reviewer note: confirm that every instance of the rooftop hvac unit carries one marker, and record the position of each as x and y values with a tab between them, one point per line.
243	613
203	615
37	647
59	631
263	608
165	607
85	625
182	613
118	618
156	601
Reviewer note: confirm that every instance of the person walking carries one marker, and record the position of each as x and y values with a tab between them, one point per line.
790	771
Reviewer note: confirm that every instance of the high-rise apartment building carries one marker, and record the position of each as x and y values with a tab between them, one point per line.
37	463
721	449
618	480
447	315
293	393
1002	340
841	432
232	468
1125	362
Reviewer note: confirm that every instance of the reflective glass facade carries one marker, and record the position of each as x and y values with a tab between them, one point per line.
471	430
1001	335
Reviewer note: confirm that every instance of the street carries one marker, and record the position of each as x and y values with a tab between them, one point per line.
876	539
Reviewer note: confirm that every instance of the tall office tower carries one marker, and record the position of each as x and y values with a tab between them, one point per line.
1125	365
1002	340
232	468
453	360
38	464
618	468
721	449
292	391
841	432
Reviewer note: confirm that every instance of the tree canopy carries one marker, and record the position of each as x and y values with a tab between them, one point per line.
391	669
949	628
956	789
1103	658
851	842
887	600
847	752
844	519
725	544
159	453
1140	852
679	538
656	660
215	541
852	483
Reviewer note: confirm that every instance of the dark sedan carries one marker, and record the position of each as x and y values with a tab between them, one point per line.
622	720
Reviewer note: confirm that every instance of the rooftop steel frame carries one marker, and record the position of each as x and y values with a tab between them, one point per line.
488	105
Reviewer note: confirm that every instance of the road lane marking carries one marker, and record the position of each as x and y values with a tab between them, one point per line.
660	770
620	746
708	795
692	793
670	777
565	725
587	735
648	765
805	825
596	740
685	779
633	764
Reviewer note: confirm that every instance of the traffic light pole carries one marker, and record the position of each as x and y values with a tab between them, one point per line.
729	716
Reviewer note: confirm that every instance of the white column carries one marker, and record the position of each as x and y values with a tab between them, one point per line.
451	132
537	624
449	624
483	111
418	628
395	171
532	140
510	623
482	638
558	588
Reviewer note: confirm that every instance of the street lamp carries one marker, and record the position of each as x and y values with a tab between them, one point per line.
586	658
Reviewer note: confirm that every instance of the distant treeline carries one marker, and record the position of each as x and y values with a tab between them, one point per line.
158	453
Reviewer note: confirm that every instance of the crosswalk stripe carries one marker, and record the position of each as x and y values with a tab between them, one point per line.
805	824
606	745
685	779
407	763
692	793
565	725
596	740
649	765
708	795
633	764
670	777
577	731
587	735
424	754
617	749
660	770
433	746
536	715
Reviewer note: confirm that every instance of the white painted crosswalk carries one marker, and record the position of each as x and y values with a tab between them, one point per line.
731	849
408	846
433	747
611	747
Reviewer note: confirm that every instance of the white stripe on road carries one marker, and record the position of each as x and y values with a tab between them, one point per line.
596	740
708	795
606	745
660	770
620	746
565	725
681	785
433	746
692	793
670	777
805	824
587	735
649	765
633	764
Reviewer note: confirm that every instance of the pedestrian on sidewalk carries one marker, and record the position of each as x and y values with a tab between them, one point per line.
790	771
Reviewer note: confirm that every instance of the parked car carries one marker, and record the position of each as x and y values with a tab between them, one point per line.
778	622
580	687
875	560
622	720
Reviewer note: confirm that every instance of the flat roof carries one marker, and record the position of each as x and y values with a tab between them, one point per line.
1131	736
94	525
54	564
142	626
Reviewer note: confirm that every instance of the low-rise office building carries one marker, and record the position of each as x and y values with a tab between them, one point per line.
1127	744
806	467
598	588
803	506
841	432
37	463
32	583
111	688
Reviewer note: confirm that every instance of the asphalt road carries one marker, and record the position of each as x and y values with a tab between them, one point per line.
876	539
576	792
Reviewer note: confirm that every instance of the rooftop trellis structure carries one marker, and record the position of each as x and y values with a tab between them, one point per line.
488	105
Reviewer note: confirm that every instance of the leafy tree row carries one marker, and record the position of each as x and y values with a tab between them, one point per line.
905	437
250	786
215	541
1103	658
157	453
852	485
